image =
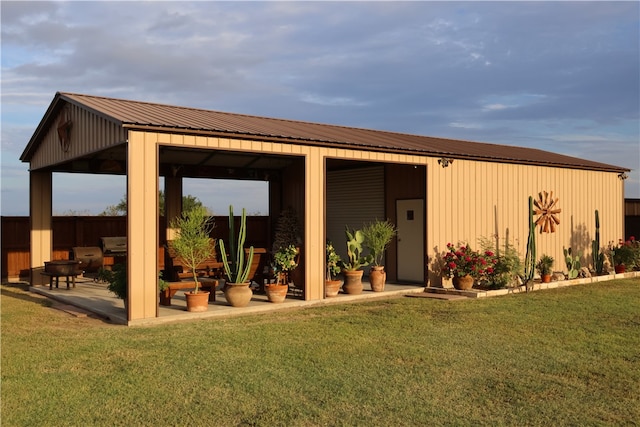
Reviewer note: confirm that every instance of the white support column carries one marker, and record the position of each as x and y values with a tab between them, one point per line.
142	225
314	224
172	202
40	208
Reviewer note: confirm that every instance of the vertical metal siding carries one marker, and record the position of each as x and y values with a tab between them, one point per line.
90	133
467	199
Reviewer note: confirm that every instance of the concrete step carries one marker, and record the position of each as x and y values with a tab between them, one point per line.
437	295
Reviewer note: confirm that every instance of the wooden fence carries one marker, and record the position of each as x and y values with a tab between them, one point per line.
71	231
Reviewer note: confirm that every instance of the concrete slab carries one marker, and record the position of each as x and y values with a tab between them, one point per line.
95	298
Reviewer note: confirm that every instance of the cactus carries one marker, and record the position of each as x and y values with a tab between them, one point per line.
573	263
530	257
597	256
236	258
355	239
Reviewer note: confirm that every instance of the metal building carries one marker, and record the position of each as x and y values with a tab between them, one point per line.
435	190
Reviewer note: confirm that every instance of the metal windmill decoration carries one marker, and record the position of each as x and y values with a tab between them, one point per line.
546	208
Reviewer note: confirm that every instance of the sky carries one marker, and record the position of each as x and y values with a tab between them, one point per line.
558	76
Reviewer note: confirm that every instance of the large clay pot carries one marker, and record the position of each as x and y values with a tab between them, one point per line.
620	268
352	282
276	293
463	283
238	294
377	278
546	278
197	302
332	287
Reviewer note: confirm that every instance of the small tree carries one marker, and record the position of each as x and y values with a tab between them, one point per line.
377	236
188	203
193	243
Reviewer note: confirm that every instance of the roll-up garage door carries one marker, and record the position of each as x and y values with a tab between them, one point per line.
354	198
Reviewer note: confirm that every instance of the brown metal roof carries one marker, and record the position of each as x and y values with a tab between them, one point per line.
168	118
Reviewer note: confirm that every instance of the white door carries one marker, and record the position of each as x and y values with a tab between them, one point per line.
410	224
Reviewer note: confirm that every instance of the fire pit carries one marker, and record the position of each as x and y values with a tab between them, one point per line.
61	267
67	268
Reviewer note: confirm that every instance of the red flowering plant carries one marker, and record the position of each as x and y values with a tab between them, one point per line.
462	261
623	253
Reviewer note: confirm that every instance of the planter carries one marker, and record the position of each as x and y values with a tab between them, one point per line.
546	278
352	282
377	278
165	297
620	268
238	294
463	283
197	303
276	293
332	287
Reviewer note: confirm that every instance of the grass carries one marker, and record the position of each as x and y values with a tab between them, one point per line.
568	356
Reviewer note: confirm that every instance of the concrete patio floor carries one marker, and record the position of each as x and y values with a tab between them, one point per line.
95	298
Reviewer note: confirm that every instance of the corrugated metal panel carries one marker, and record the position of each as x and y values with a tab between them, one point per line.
144	115
89	134
632	207
354	197
469	199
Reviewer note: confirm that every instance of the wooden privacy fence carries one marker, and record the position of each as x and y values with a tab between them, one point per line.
70	231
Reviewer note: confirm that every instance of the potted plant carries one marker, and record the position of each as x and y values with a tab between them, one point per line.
352	269
377	236
544	265
236	267
284	262
503	264
117	280
193	245
331	284
622	255
288	232
461	265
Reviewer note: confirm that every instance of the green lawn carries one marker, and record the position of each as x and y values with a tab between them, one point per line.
568	356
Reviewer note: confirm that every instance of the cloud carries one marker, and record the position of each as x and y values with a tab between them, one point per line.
504	72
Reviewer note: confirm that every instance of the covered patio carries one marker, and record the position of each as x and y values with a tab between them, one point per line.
146	142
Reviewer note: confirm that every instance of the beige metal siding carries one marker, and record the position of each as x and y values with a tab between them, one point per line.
40	189
89	133
471	199
142	232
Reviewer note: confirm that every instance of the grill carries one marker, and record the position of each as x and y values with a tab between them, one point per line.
90	258
114	246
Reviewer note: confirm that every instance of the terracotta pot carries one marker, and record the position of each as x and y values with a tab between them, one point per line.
377	278
620	268
332	287
546	278
276	293
238	294
352	282
463	283
197	302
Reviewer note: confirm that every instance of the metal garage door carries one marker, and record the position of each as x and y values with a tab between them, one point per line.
354	197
